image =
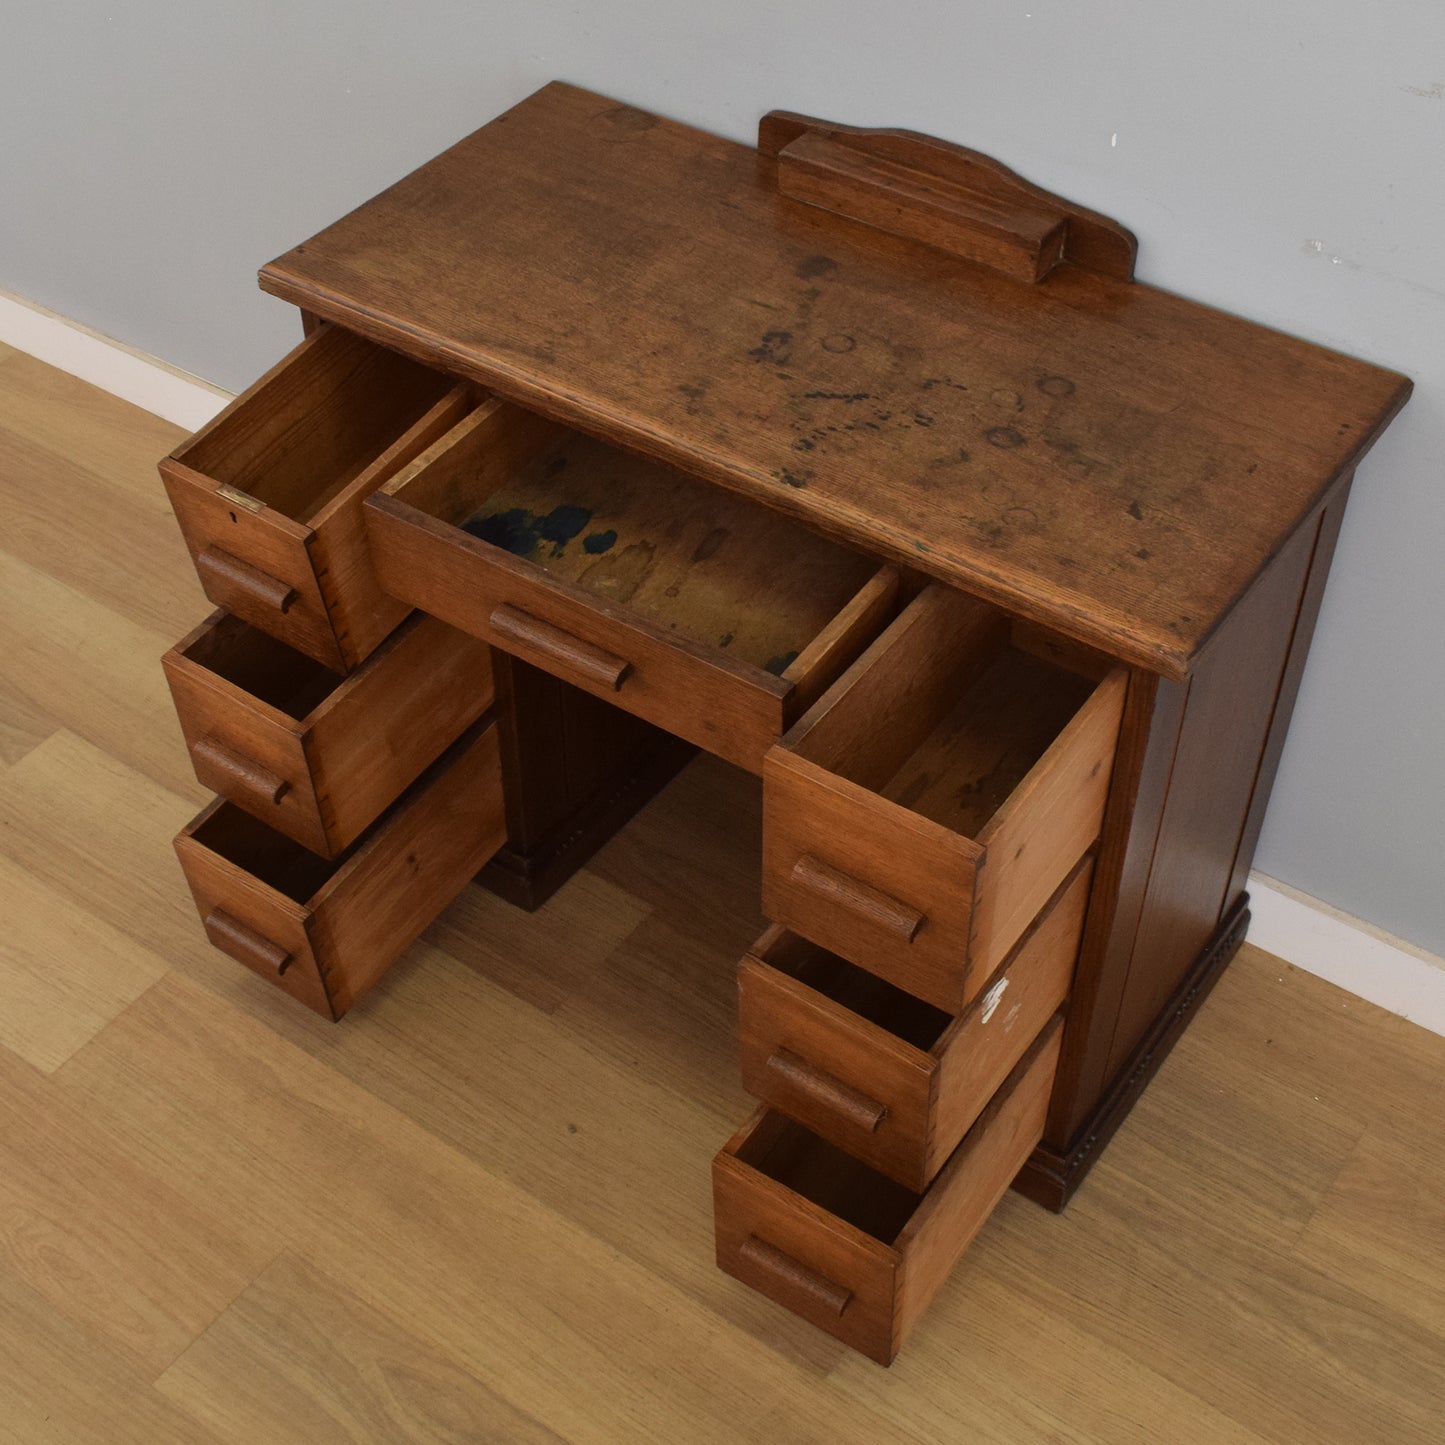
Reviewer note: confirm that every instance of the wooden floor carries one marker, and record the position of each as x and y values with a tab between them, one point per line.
478	1209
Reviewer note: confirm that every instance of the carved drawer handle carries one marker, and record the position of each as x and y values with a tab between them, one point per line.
768	1259
245	945
511	624
826	1089
217	566
237	772
861	899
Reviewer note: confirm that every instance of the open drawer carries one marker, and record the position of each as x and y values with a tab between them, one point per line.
317	755
891	1079
268	494
326	931
927	807
695	609
849	1250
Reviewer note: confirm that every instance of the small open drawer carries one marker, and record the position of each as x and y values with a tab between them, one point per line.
317	755
268	494
849	1250
927	807
891	1079
710	616
326	931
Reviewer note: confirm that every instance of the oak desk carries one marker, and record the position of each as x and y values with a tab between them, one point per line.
856	460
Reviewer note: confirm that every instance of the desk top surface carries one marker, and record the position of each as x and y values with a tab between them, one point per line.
1112	460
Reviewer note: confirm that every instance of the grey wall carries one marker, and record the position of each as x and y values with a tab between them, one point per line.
1284	161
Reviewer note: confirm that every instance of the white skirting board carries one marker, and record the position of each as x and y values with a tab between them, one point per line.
114	367
1301	930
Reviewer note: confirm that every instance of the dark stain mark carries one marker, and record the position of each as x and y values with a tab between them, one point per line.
1004	436
571	1128
671	591
838	343
1136	511
930	382
695	396
727	639
1055	385
804	444
794	479
562	524
521	532
779	665
624	117
233	516
776	348
1094	771
1251	469
599	542
783	375
1143	554
964	455
922	418
816	266
709	544
514	531
837	395
766	305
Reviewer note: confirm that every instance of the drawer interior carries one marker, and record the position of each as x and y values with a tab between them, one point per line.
822	1173
233	834
855	989
262	666
687	557
311	427
946	722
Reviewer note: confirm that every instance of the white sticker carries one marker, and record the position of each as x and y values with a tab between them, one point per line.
992	998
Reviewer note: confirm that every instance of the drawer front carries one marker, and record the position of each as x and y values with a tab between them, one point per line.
732	711
254	562
868	1279
918	817
249	920
324	777
868	880
268	494
326	932
900	1103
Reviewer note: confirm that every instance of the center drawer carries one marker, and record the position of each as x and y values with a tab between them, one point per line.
891	1079
703	613
922	813
316	755
849	1250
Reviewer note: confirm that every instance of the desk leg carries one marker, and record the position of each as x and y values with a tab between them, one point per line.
575	769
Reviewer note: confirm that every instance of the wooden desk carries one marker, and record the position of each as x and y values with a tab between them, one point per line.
857	461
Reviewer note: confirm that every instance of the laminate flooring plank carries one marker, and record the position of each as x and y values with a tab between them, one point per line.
300	1359
556	1321
108	1240
64	973
61	1386
94	671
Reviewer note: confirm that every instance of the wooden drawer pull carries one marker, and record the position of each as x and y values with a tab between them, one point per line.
786	1270
244	944
860	899
219	567
826	1089
237	772
513	625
